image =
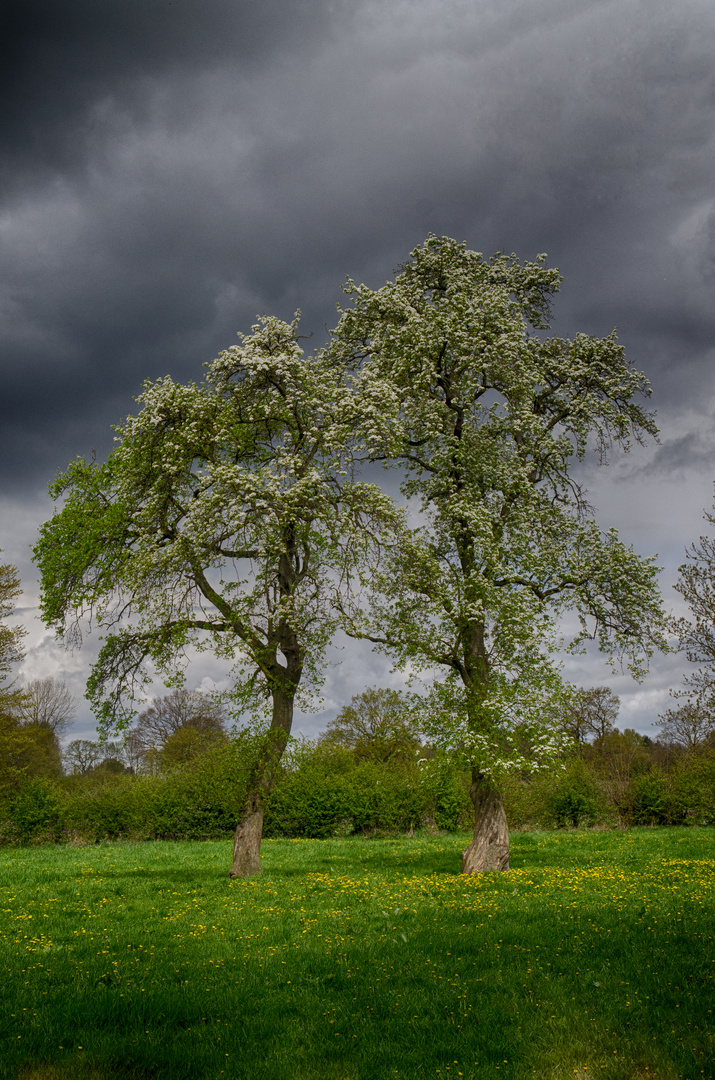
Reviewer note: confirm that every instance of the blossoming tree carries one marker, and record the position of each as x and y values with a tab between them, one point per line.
485	416
223	519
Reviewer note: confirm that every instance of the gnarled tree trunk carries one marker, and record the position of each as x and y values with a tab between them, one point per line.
247	840
489	850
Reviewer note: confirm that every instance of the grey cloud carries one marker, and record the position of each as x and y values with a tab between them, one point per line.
680	456
61	61
530	132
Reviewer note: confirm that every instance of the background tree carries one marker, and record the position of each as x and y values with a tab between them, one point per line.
618	757
186	720
48	703
81	756
25	751
377	725
221	520
690	725
693	722
35	717
590	713
10	636
484	416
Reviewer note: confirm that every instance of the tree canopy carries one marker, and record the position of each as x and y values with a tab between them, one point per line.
26	748
229	517
48	703
377	725
459	386
590	713
176	728
223	520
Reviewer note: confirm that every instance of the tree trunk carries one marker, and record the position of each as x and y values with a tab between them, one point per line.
247	842
249	831
489	850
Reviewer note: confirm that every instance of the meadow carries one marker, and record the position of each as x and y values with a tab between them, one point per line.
361	959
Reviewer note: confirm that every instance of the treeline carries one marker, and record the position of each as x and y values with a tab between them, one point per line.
181	775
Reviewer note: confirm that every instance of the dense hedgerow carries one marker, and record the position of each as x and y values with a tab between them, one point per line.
317	794
323	792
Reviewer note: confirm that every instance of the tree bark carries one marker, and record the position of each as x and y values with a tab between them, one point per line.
247	842
284	682
489	850
249	831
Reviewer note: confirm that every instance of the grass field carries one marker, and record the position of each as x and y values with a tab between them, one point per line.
361	960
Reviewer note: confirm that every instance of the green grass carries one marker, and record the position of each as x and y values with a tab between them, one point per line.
361	960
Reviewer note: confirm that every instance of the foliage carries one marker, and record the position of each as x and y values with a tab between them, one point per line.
31	718
651	800
320	802
323	791
83	756
575	798
26	751
693	723
377	725
198	802
186	744
445	793
690	725
456	388
35	810
216	522
10	636
693	786
175	729
224	520
17	748
617	759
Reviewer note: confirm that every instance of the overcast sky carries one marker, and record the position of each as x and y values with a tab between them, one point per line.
170	169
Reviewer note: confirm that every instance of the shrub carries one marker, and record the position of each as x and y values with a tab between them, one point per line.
575	798
326	793
445	795
34	811
694	788
651	802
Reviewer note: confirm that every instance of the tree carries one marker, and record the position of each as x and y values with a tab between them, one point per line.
223	520
23	752
81	756
690	725
187	744
484	417
10	636
693	723
619	756
186	720
26	751
377	726
84	756
591	713
48	703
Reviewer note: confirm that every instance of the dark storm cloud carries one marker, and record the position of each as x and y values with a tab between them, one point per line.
61	60
175	168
